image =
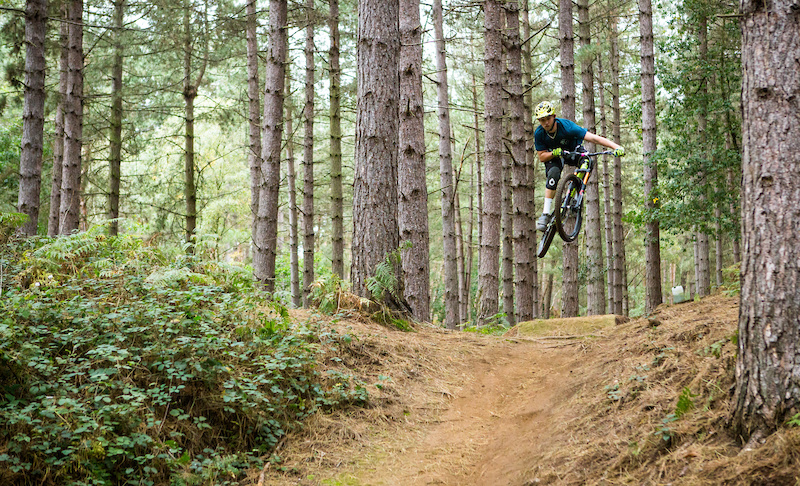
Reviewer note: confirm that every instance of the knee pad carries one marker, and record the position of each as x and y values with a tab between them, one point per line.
553	176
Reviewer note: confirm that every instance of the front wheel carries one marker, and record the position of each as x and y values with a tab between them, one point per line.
569	213
547	238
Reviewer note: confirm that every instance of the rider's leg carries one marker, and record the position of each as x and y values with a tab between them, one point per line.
553	176
553	169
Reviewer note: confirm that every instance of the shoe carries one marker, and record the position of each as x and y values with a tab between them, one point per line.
543	221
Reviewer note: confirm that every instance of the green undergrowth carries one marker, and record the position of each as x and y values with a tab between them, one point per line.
120	364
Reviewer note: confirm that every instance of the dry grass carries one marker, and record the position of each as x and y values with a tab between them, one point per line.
612	417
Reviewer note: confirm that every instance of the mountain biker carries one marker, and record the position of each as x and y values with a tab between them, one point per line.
551	138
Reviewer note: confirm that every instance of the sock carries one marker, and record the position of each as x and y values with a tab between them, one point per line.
548	205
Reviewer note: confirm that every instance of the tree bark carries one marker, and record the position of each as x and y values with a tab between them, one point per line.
190	89
376	232
478	183
594	239
266	239
69	213
115	138
652	226
413	191
291	182
308	157
703	276
567	54
58	135
768	363
608	217
30	161
254	112
337	198
530	157
524	230
489	268
452	311
618	271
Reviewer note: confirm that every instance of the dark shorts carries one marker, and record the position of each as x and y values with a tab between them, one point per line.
554	166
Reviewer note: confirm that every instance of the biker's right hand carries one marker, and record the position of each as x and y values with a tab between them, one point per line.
557	152
619	152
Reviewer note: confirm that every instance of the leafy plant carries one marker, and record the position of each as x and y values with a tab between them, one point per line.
794	421
685	402
326	293
664	430
385	278
119	365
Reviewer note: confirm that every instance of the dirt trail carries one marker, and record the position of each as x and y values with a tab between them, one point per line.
479	415
462	409
488	431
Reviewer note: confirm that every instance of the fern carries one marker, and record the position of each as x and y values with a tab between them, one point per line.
385	279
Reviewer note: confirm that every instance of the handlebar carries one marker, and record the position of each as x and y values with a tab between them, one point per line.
588	154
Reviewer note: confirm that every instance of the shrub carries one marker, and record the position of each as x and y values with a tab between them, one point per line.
119	366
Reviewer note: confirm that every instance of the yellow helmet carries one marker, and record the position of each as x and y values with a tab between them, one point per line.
544	109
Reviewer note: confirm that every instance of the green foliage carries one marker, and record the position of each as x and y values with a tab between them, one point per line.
9	222
119	365
685	402
664	430
10	139
794	421
326	293
495	325
385	278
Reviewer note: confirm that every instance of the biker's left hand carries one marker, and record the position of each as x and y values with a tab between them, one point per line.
620	152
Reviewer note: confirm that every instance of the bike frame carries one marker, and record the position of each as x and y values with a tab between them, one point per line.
583	175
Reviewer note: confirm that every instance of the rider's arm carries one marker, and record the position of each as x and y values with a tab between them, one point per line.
594	138
545	155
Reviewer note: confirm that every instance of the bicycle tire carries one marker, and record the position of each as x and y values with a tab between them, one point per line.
568	217
547	239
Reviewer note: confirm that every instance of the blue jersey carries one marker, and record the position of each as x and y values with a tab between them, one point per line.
568	136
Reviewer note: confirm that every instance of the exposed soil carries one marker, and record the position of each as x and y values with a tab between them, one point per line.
594	405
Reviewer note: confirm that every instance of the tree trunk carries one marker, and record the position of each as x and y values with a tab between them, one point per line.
652	226
493	172
69	213
767	389
30	161
190	89
548	297
452	311
308	158
703	273
594	238
115	138
58	135
254	112
524	230
463	294
376	232
478	183
530	155
618	271
266	239
477	190
466	303
337	198
413	191
507	224
566	49
608	217
291	182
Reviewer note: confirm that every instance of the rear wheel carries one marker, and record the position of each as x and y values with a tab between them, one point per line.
569	214
547	238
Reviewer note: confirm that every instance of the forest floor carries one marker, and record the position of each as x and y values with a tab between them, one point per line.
567	402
